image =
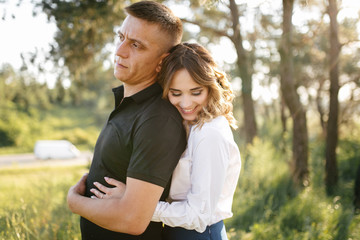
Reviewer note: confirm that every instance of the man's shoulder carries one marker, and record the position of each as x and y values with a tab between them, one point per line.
159	107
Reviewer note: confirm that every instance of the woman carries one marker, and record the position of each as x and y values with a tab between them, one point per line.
206	176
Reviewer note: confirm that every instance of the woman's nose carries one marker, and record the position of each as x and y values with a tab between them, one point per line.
185	102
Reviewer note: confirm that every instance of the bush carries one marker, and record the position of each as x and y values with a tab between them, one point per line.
20	130
264	186
266	205
301	214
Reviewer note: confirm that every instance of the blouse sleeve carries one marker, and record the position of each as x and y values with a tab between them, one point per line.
208	172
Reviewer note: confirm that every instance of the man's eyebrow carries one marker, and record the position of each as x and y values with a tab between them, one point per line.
133	39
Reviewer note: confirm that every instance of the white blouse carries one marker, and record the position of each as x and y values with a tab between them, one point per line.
205	179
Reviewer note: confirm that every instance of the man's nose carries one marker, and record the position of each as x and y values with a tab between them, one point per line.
122	49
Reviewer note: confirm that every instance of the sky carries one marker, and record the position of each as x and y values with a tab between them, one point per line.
26	33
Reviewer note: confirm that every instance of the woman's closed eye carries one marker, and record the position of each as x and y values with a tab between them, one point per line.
196	93
175	93
178	93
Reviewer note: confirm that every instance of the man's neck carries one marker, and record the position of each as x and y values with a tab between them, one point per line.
130	90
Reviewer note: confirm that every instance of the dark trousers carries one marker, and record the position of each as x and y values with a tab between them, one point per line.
213	232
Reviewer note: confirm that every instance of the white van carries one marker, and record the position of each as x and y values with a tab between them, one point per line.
55	149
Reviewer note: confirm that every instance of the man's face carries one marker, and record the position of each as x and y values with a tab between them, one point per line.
138	52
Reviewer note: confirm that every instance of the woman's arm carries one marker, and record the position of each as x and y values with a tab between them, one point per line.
208	172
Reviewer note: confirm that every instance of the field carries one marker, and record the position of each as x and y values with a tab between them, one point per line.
33	203
266	205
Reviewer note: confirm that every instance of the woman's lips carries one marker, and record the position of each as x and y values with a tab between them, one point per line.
188	111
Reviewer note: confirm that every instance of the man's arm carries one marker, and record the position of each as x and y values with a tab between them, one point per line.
130	214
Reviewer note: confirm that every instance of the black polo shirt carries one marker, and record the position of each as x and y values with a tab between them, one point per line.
143	139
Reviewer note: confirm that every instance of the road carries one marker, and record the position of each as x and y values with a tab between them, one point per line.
29	160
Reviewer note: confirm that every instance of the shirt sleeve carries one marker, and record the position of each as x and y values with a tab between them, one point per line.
208	172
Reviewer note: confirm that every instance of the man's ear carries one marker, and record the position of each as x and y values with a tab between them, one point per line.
158	67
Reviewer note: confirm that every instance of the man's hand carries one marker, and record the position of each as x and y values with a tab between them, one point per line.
128	212
105	192
76	190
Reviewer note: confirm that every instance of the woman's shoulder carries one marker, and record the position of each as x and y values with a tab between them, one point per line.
216	124
218	127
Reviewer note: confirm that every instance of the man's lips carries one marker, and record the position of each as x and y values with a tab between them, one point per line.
121	65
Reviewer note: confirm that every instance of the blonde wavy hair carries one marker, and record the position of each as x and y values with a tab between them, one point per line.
204	71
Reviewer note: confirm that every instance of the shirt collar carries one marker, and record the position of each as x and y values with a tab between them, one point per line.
139	97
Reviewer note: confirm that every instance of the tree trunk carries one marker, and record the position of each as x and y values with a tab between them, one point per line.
357	191
283	118
331	176
283	115
242	62
320	108
299	166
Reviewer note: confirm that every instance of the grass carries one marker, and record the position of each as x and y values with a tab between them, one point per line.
266	206
33	203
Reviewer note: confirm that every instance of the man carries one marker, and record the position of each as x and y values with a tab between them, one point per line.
143	139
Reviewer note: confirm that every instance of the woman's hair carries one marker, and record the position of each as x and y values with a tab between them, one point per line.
203	69
161	15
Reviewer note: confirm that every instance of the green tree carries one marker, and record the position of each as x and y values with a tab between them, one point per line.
300	135
221	19
84	29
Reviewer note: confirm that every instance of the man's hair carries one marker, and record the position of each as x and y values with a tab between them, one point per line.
161	15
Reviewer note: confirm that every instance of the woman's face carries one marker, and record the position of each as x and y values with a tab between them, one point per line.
186	95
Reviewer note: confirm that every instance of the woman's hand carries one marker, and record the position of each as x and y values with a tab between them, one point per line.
105	192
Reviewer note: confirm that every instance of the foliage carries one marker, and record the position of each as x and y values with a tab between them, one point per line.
19	131
17	128
82	43
29	111
267	206
22	90
84	28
